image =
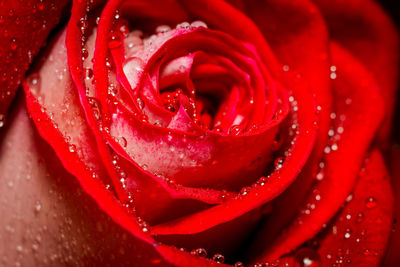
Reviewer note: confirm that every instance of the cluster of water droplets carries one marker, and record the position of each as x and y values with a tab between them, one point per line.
219	258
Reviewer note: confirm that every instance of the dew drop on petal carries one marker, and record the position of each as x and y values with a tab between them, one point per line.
201	252
370	252
198	23
33	82
234	130
218	258
183	25
370	203
83	24
141	103
38	207
360	217
244	191
347	235
122	141
13	44
72	148
114	41
88	73
307	257
320	176
278	162
163	29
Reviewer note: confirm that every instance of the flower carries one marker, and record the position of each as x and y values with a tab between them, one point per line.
204	132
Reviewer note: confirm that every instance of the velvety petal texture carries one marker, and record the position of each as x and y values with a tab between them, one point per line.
212	133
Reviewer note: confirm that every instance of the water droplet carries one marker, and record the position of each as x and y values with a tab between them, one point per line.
238	264
38	207
13	44
140	103
114	41
33	80
84	53
96	107
320	176
369	252
234	130
169	137
183	25
72	148
144	167
334	147
218	258
83	24
122	141
198	23
244	191
35	247
370	203
201	252
348	101
88	73
40	5
348	233
279	162
307	257
163	29
360	217
123	174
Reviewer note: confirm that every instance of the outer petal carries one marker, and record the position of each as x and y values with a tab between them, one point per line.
358	234
366	31
360	110
362	237
47	219
24	26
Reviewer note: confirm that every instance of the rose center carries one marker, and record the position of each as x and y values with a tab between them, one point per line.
199	78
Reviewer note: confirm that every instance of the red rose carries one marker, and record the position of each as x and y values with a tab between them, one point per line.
197	133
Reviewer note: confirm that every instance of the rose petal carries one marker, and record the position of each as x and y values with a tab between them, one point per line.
358	234
362	115
364	237
47	219
301	45
25	27
367	32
